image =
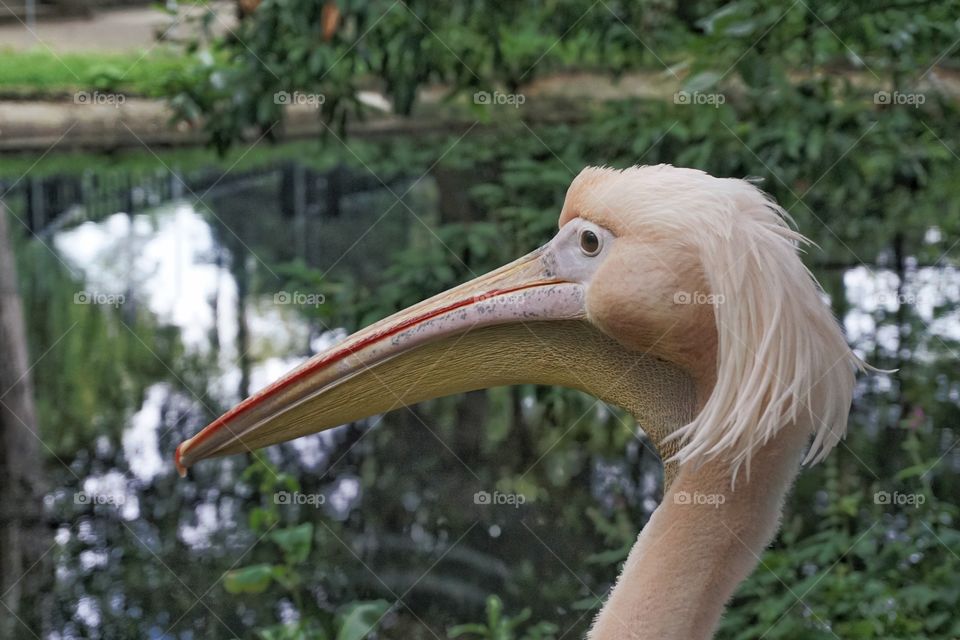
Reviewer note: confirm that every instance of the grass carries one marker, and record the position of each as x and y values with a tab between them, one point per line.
42	72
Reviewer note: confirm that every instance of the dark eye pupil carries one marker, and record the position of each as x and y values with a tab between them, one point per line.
589	242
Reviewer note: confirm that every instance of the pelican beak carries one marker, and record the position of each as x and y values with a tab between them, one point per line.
486	332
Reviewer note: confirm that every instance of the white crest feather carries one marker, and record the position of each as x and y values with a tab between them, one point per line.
781	354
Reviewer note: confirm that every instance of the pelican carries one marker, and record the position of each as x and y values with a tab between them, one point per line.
676	295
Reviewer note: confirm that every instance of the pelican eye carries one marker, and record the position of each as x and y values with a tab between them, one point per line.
589	243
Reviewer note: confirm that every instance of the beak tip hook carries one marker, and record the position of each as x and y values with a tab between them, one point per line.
182	470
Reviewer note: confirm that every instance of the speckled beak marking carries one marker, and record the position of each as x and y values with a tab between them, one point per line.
437	347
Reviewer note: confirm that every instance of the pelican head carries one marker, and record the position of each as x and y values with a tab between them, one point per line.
674	294
669	292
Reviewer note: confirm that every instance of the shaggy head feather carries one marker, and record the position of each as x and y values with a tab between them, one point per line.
780	356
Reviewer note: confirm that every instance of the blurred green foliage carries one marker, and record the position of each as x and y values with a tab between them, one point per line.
96	361
865	572
499	626
353	621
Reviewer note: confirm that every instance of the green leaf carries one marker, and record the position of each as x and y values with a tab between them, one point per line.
359	619
294	541
253	579
494	611
702	81
587	604
286	577
296	631
473	628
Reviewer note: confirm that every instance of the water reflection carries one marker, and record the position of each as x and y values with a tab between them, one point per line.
928	290
162	260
